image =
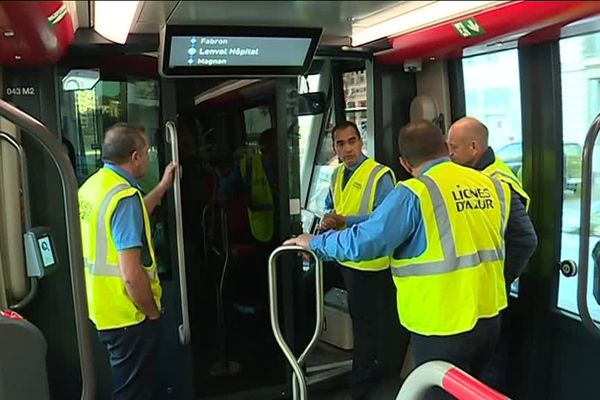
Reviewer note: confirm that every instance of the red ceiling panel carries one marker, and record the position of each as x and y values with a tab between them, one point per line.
34	33
515	18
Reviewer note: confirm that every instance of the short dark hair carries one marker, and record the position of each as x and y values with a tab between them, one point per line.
344	125
421	141
120	141
268	136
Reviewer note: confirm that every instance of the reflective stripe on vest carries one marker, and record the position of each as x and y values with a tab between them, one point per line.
365	206
451	261
499	170
357	198
101	267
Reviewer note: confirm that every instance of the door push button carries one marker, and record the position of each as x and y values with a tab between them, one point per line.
568	268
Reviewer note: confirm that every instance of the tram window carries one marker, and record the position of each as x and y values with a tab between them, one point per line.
355	95
257	120
325	163
86	114
307	124
580	76
492	95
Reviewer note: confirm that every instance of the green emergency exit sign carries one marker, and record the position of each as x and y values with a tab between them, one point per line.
468	28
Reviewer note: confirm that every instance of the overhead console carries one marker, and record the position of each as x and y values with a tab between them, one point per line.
193	51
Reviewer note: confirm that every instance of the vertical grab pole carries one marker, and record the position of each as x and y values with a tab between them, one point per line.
298	379
184	328
584	223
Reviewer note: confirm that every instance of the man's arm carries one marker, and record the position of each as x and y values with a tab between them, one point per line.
137	282
520	239
378	236
152	199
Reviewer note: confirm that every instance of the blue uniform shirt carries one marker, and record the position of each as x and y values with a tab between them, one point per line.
384	187
127	222
395	227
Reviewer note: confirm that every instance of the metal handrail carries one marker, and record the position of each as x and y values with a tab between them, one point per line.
33	283
448	377
53	147
298	379
184	328
584	223
220	280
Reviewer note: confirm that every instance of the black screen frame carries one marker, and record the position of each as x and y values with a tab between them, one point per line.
169	31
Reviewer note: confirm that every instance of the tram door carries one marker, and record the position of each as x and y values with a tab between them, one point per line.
222	135
548	92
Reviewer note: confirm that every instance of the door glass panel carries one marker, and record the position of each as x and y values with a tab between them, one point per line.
355	95
580	76
325	163
87	114
493	96
307	124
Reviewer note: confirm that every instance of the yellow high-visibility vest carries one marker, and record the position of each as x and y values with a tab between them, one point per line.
260	207
109	305
499	170
358	198
459	277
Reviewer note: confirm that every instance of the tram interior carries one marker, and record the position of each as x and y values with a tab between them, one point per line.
517	73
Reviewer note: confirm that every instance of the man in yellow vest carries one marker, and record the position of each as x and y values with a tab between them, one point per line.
444	232
468	146
358	186
255	176
123	289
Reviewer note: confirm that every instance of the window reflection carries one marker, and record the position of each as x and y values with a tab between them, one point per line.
87	114
580	76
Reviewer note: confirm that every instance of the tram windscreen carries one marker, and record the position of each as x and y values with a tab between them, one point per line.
224	51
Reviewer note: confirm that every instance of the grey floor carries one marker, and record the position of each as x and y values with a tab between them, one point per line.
386	390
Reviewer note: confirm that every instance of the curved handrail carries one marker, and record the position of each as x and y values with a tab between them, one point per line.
33	284
53	147
184	328
584	223
298	379
448	377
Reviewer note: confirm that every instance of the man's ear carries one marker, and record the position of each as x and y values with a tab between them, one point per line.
406	165
135	155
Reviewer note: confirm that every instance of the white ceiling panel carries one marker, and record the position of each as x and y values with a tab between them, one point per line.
334	16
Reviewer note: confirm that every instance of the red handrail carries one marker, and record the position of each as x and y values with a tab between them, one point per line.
450	378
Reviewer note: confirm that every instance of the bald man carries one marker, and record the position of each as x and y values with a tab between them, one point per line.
468	146
122	284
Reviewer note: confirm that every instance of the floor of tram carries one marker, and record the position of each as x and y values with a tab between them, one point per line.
387	389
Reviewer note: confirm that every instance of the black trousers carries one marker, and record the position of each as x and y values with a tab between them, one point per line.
470	351
133	359
378	352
